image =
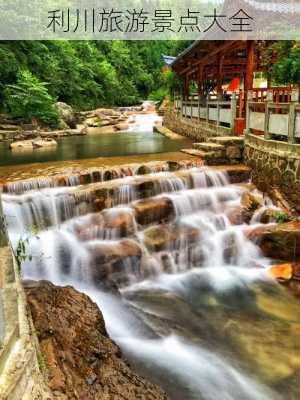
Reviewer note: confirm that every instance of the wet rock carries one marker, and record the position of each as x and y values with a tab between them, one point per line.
269	215
281	272
296	271
280	241
236	215
250	201
121	220
169	237
110	224
236	173
153	210
80	360
115	262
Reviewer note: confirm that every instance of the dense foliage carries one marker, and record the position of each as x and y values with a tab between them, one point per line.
287	69
85	74
29	99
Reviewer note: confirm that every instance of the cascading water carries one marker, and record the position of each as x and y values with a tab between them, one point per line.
189	282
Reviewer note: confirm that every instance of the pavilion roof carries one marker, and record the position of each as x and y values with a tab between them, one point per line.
199	46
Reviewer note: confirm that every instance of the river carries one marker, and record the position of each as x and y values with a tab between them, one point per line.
140	139
196	310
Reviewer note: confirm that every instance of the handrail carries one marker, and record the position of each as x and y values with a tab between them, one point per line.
285	124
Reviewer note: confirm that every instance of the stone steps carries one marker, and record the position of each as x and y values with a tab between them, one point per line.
199	153
209	157
209	146
228	140
219	150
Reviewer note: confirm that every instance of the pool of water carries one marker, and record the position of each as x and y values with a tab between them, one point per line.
91	146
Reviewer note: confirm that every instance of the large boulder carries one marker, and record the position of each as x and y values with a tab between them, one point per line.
66	114
280	241
78	358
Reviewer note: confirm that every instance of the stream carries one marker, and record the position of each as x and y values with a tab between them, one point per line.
187	298
135	141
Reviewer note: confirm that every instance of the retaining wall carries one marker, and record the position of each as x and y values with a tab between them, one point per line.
274	164
21	375
198	130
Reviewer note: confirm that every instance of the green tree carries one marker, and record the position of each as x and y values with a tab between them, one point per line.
287	69
29	99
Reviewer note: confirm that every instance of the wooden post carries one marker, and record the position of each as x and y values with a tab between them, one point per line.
241	103
248	80
220	59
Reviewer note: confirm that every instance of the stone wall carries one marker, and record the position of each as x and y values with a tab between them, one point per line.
194	129
274	165
21	375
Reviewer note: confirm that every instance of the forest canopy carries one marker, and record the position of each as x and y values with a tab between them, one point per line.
84	74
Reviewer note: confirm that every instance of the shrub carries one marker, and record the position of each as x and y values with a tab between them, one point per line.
158	95
281	217
29	99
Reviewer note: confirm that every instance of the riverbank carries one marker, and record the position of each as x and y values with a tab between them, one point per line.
72	123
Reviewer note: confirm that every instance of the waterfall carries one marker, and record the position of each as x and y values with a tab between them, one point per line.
93	175
191	201
179	279
202	234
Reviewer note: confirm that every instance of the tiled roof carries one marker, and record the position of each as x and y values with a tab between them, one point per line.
280	6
